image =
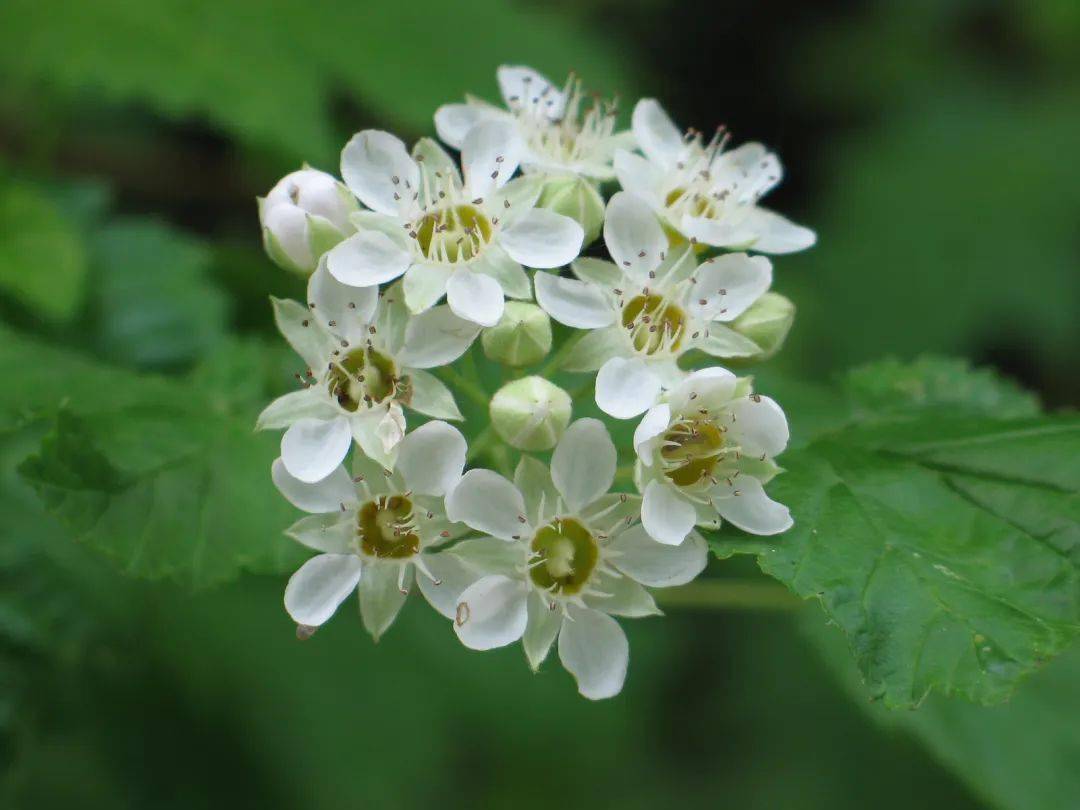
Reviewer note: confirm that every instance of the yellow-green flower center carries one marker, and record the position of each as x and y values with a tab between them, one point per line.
455	233
386	528
691	450
653	324
565	554
362	376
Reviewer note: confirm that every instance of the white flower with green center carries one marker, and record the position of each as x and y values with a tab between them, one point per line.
649	307
579	558
303	216
364	356
563	134
463	237
377	531
703	193
705	453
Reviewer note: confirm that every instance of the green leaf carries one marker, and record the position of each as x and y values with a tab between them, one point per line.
42	258
268	71
1019	756
159	475
941	540
155	304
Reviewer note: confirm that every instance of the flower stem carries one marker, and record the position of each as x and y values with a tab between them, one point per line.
728	594
560	356
469	388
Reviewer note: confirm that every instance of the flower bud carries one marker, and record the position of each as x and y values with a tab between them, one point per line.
530	413
767	323
521	338
577	198
303	216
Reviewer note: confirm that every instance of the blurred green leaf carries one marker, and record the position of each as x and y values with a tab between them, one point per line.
155	305
268	71
157	474
1020	756
42	258
940	538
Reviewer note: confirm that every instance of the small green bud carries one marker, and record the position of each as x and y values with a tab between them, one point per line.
577	198
767	323
530	413
303	216
522	337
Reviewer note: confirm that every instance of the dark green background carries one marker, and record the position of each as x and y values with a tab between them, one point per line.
931	145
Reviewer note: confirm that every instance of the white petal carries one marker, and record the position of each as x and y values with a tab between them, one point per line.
487	502
652	424
729	285
366	259
583	464
452	577
533	480
572	302
775	234
435	338
705	387
523	87
369	430
745	504
431	458
656	565
326	495
332	532
475	297
521	193
319	586
724	342
622	596
595	348
288	408
453	122
625	388
370	163
639	176
431	397
657	136
541	238
489	156
349	309
599	272
665	514
728	232
541	630
380	598
433	161
633	235
593	648
312	448
424	285
758	425
511	277
308	340
491	613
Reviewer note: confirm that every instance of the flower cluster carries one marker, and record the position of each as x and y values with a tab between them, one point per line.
547	550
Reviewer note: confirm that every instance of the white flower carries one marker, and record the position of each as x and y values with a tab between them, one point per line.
365	356
465	238
561	134
377	531
580	559
703	193
303	216
650	307
707	450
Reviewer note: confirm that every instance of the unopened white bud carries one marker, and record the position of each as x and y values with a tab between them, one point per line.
522	337
577	198
303	216
767	323
530	413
